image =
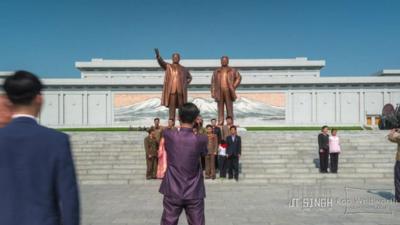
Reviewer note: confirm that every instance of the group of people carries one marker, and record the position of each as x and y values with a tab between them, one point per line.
329	148
223	148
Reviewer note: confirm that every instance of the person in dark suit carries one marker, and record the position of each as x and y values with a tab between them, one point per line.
234	151
183	183
37	175
216	130
323	146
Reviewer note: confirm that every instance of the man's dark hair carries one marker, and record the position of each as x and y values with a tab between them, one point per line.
156	119
213	119
22	87
170	119
188	113
232	127
229	117
323	127
209	125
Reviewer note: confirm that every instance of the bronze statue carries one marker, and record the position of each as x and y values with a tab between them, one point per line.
176	80
224	82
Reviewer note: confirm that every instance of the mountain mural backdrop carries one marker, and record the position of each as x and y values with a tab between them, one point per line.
247	112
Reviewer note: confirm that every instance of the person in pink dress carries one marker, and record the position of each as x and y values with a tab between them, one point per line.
162	160
334	150
162	155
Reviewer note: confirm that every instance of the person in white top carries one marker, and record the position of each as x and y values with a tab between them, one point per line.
334	150
222	162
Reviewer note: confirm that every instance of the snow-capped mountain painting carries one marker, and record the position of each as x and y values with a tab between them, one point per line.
247	112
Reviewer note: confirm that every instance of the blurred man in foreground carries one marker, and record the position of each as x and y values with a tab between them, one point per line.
37	175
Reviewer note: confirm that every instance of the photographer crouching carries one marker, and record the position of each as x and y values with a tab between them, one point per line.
394	136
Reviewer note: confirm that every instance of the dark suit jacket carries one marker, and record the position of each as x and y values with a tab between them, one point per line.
37	176
234	147
184	176
323	142
217	131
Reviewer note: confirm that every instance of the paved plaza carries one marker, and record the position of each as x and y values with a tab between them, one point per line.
239	203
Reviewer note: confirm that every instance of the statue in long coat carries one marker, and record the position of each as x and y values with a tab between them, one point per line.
224	82
176	81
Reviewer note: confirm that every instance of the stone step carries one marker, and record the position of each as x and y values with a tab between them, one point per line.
268	157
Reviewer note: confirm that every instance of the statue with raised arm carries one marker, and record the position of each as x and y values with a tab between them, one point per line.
224	82
176	81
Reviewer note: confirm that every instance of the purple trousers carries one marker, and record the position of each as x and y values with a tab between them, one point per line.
194	209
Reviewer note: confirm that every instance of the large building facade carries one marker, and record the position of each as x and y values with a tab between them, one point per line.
273	92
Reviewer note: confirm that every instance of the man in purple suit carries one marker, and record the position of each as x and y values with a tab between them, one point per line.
183	184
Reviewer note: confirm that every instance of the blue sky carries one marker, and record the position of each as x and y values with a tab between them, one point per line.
354	37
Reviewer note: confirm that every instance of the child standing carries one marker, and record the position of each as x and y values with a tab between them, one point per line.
222	159
334	150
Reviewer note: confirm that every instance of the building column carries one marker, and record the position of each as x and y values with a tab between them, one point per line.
110	108
337	106
314	107
362	107
386	96
288	107
85	108
61	109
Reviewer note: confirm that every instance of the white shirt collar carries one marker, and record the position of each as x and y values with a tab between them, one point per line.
23	115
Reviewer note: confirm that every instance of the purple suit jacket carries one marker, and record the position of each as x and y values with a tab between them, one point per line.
184	177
